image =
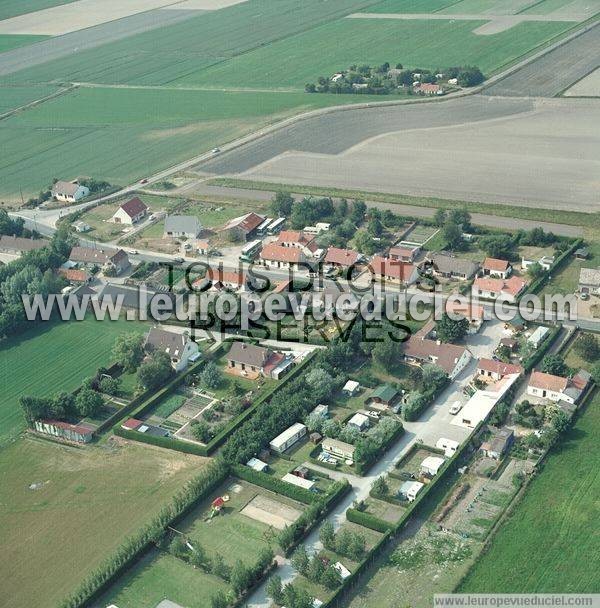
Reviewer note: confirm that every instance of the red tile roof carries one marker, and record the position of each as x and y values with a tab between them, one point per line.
297	237
132	424
495	265
226	276
74	274
343	257
548	382
278	253
384	267
134	207
466	309
428	87
499	367
512	286
249	222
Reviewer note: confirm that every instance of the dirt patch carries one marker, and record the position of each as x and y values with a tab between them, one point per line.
270	512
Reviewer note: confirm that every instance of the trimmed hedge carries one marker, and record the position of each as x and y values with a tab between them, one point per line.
368	521
275	485
162	442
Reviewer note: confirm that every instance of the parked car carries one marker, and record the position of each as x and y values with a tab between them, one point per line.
585	296
216	150
143	181
178	260
133	252
455	407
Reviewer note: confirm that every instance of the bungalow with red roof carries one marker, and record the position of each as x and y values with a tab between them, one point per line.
218	278
494	267
342	258
557	388
75	275
130	212
496	370
487	287
393	270
275	255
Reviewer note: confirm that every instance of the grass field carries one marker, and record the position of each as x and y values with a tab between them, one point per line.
336	45
409	6
557	550
14	97
52	358
122	134
12	8
10	41
90	500
158	576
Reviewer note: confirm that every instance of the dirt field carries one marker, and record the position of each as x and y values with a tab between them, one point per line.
270	512
551	154
586	87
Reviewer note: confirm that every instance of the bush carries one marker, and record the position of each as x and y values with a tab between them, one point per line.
368	521
275	485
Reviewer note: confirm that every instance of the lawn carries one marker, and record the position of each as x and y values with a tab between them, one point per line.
121	135
566	280
10	41
158	576
338	44
557	550
51	358
89	501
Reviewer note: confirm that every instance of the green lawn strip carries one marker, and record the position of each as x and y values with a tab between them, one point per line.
52	357
549	535
572	218
13	41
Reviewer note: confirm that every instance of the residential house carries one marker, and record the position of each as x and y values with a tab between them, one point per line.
288	438
404	253
130	212
557	388
545	262
419	349
494	267
393	270
427	88
342	258
338	449
180	347
498	443
509	289
69	192
17	244
383	397
181	226
450	267
80	433
275	255
75	275
589	280
243	227
496	370
218	278
108	259
298	239
249	358
474	313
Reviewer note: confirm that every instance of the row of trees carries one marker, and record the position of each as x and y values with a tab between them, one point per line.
62	406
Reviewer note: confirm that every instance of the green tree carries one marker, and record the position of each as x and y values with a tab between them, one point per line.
211	377
357	545
315	569
586	346
331	578
342	542
282	204
380	486
88	402
128	351
327	535
357	215
110	385
448	330
554	364
561	421
387	354
219	568
219	600
452	234
156	371
535	271
274	589
440	217
300	560
240	578
498	246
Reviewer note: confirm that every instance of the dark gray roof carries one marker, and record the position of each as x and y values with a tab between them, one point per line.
249	354
167	341
17	243
448	264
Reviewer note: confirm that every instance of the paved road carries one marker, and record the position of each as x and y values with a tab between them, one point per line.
92	37
554	72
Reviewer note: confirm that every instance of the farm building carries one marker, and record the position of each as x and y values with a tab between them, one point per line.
494	267
81	433
69	192
243	228
589	280
130	212
448	445
498	443
288	438
181	226
383	397
359	421
410	489
339	449
431	465
179	347
307	484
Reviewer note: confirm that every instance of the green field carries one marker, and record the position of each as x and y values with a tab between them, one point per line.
551	543
12	8
52	358
336	45
88	502
9	41
14	97
160	575
409	6
122	134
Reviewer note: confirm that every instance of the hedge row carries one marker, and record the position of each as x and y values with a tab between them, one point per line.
368	521
274	485
537	356
429	395
163	442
